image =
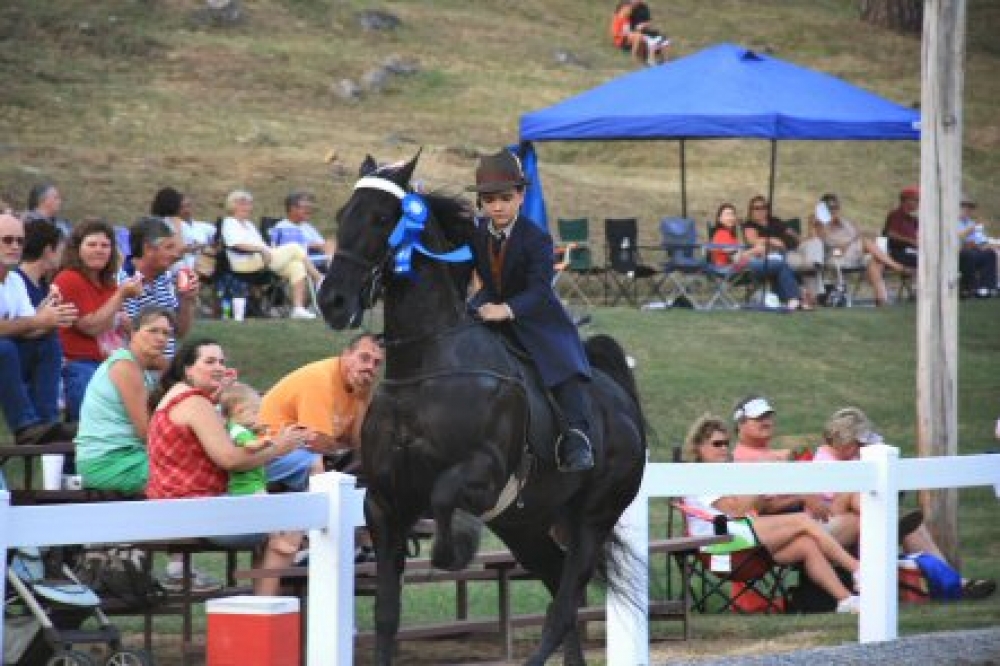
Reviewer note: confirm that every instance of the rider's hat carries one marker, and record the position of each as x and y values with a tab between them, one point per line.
496	173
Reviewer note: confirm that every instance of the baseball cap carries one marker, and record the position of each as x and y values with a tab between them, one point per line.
753	409
910	192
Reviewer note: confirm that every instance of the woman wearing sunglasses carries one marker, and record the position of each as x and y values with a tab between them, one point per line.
791	538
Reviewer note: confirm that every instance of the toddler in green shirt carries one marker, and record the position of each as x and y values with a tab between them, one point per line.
240	405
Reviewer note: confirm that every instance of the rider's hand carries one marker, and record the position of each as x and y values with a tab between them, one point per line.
495	312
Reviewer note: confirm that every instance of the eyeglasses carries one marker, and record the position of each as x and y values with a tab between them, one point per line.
12	240
718	443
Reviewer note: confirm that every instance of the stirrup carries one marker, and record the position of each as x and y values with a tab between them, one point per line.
586	455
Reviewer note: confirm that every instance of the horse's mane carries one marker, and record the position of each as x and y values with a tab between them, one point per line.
454	214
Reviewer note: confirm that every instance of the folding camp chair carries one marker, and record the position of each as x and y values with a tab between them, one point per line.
726	278
685	266
740	580
576	258
625	269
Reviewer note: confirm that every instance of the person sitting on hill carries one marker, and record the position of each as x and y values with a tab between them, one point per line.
45	203
631	31
792	538
296	228
842	241
902	228
846	431
977	260
779	239
751	256
248	253
30	355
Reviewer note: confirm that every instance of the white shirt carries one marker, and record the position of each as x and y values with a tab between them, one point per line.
237	232
302	233
14	301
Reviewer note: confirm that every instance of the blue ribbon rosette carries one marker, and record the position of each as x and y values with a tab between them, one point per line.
405	238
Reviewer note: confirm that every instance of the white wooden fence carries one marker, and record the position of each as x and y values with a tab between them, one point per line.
333	508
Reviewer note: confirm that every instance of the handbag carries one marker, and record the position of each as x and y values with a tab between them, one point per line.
206	262
120	573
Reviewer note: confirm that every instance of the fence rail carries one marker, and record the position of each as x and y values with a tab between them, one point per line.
333	508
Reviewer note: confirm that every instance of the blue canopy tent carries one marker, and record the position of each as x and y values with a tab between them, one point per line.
725	91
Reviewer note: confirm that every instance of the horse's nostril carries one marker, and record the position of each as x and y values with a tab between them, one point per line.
338	301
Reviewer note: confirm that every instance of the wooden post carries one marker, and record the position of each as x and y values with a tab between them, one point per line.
937	309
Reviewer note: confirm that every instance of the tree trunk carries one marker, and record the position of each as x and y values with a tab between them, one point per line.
900	15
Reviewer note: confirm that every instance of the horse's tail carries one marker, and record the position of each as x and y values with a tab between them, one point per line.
605	354
618	566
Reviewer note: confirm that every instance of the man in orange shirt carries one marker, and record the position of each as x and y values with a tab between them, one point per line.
328	397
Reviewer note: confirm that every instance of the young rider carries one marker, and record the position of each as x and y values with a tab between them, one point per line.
514	261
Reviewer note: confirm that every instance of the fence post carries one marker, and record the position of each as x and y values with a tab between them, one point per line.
880	547
627	608
5	542
330	615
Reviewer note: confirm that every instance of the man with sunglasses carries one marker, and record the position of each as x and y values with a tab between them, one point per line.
30	360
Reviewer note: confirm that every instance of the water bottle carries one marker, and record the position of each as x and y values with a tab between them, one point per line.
624	255
227	307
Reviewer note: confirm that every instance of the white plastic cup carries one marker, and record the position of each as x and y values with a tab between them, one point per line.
239	308
52	471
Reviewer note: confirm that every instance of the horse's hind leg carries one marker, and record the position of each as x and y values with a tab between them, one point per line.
389	535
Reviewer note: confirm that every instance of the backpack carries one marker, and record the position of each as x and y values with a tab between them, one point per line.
943	582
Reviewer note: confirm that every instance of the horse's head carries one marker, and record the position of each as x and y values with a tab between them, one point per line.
365	222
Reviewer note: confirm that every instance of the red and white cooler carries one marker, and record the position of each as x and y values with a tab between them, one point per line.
253	631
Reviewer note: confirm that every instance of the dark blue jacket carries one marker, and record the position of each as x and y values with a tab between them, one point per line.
540	323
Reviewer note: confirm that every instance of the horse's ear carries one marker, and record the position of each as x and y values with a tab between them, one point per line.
404	174
368	167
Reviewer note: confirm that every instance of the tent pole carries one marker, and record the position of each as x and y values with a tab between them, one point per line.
684	196
774	162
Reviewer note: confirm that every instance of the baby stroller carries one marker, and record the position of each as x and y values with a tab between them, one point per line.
38	605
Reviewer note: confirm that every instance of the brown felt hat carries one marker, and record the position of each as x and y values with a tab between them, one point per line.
496	173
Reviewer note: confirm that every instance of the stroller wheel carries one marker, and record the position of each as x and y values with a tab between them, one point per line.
71	658
130	658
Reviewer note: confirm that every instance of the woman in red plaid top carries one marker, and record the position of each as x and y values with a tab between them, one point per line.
191	453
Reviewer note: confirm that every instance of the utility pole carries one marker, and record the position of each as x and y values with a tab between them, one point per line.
942	87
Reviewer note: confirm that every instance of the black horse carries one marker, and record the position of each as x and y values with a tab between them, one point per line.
460	427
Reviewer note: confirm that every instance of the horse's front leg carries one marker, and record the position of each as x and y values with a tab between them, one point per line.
388	535
460	495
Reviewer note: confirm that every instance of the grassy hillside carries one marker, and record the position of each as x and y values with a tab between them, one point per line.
115	99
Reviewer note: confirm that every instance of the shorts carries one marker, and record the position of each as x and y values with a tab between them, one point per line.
292	469
126	470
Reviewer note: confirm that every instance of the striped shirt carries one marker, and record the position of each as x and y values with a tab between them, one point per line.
159	292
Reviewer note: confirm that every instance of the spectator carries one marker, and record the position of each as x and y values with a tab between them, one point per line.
779	239
114	418
977	261
789	538
631	32
902	228
330	398
727	232
155	248
87	280
239	405
30	357
295	228
45	203
845	433
248	253
43	249
191	454
842	241
196	235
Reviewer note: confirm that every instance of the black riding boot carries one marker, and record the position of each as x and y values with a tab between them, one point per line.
574	452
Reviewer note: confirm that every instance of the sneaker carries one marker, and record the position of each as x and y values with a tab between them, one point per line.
302	313
201	583
978	588
851	604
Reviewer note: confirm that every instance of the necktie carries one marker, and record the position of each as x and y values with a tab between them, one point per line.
496	242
